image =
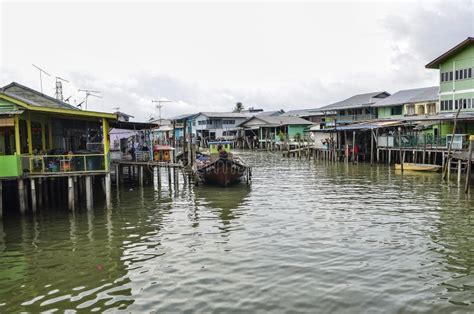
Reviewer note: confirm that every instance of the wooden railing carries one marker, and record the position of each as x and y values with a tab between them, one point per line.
56	164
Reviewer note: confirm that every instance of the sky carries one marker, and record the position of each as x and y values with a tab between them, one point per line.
206	56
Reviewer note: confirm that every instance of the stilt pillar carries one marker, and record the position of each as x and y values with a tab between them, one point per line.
1	199
21	196
70	193
108	189
89	195
33	195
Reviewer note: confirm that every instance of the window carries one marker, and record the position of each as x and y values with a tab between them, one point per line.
441	78
228	121
451	75
395	111
450	104
469	73
456	104
441	105
410	110
465	73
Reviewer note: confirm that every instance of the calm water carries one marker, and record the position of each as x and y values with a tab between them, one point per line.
306	236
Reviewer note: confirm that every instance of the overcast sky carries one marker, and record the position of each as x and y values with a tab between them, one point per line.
208	56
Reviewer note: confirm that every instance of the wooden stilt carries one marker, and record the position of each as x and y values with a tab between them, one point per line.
70	193
108	189
89	195
140	176
117	175
39	193
459	170
33	195
468	168
1	199
21	196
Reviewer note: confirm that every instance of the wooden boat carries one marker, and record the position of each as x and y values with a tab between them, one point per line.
418	167
214	169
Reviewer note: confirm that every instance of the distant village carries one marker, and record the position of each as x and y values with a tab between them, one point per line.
42	136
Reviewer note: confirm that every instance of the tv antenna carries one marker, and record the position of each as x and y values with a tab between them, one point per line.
41	71
159	106
94	93
59	88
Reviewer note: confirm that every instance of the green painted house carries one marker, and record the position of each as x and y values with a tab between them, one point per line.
276	128
418	102
456	77
354	109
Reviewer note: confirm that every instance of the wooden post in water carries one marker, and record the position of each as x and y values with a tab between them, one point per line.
353	146
1	199
33	195
140	175
117	175
21	196
70	193
448	161
108	189
89	195
459	170
468	168
400	147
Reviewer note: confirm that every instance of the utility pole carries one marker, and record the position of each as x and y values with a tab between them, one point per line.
41	77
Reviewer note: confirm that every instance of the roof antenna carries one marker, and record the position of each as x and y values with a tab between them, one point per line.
41	77
94	93
59	88
159	106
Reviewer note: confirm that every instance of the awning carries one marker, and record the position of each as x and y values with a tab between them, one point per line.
126	125
372	125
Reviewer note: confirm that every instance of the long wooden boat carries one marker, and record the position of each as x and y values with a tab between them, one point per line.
418	167
222	171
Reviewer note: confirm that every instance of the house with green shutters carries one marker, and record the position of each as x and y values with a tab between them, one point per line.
354	109
418	102
456	77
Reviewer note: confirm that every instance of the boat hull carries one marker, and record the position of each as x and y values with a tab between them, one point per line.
418	167
222	172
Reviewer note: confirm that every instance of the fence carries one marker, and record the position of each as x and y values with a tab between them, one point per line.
44	164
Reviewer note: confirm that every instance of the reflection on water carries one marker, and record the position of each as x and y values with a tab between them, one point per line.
306	236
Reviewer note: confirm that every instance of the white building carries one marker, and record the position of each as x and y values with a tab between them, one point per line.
218	125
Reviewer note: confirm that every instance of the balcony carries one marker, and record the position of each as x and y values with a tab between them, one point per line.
63	164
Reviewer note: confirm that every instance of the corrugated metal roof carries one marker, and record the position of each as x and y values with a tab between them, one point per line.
34	97
10	112
279	121
369	125
270	113
302	113
409	96
225	114
356	101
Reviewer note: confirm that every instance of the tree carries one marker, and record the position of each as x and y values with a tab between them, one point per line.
238	107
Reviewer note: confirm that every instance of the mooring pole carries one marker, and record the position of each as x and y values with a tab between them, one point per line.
400	147
1	199
89	192
469	162
70	193
21	196
33	195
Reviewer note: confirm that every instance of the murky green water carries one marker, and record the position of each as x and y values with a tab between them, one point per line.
306	236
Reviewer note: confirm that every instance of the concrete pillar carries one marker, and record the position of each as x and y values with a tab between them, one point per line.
21	195
33	195
70	193
89	195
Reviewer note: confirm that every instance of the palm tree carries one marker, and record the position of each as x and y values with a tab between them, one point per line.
238	107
